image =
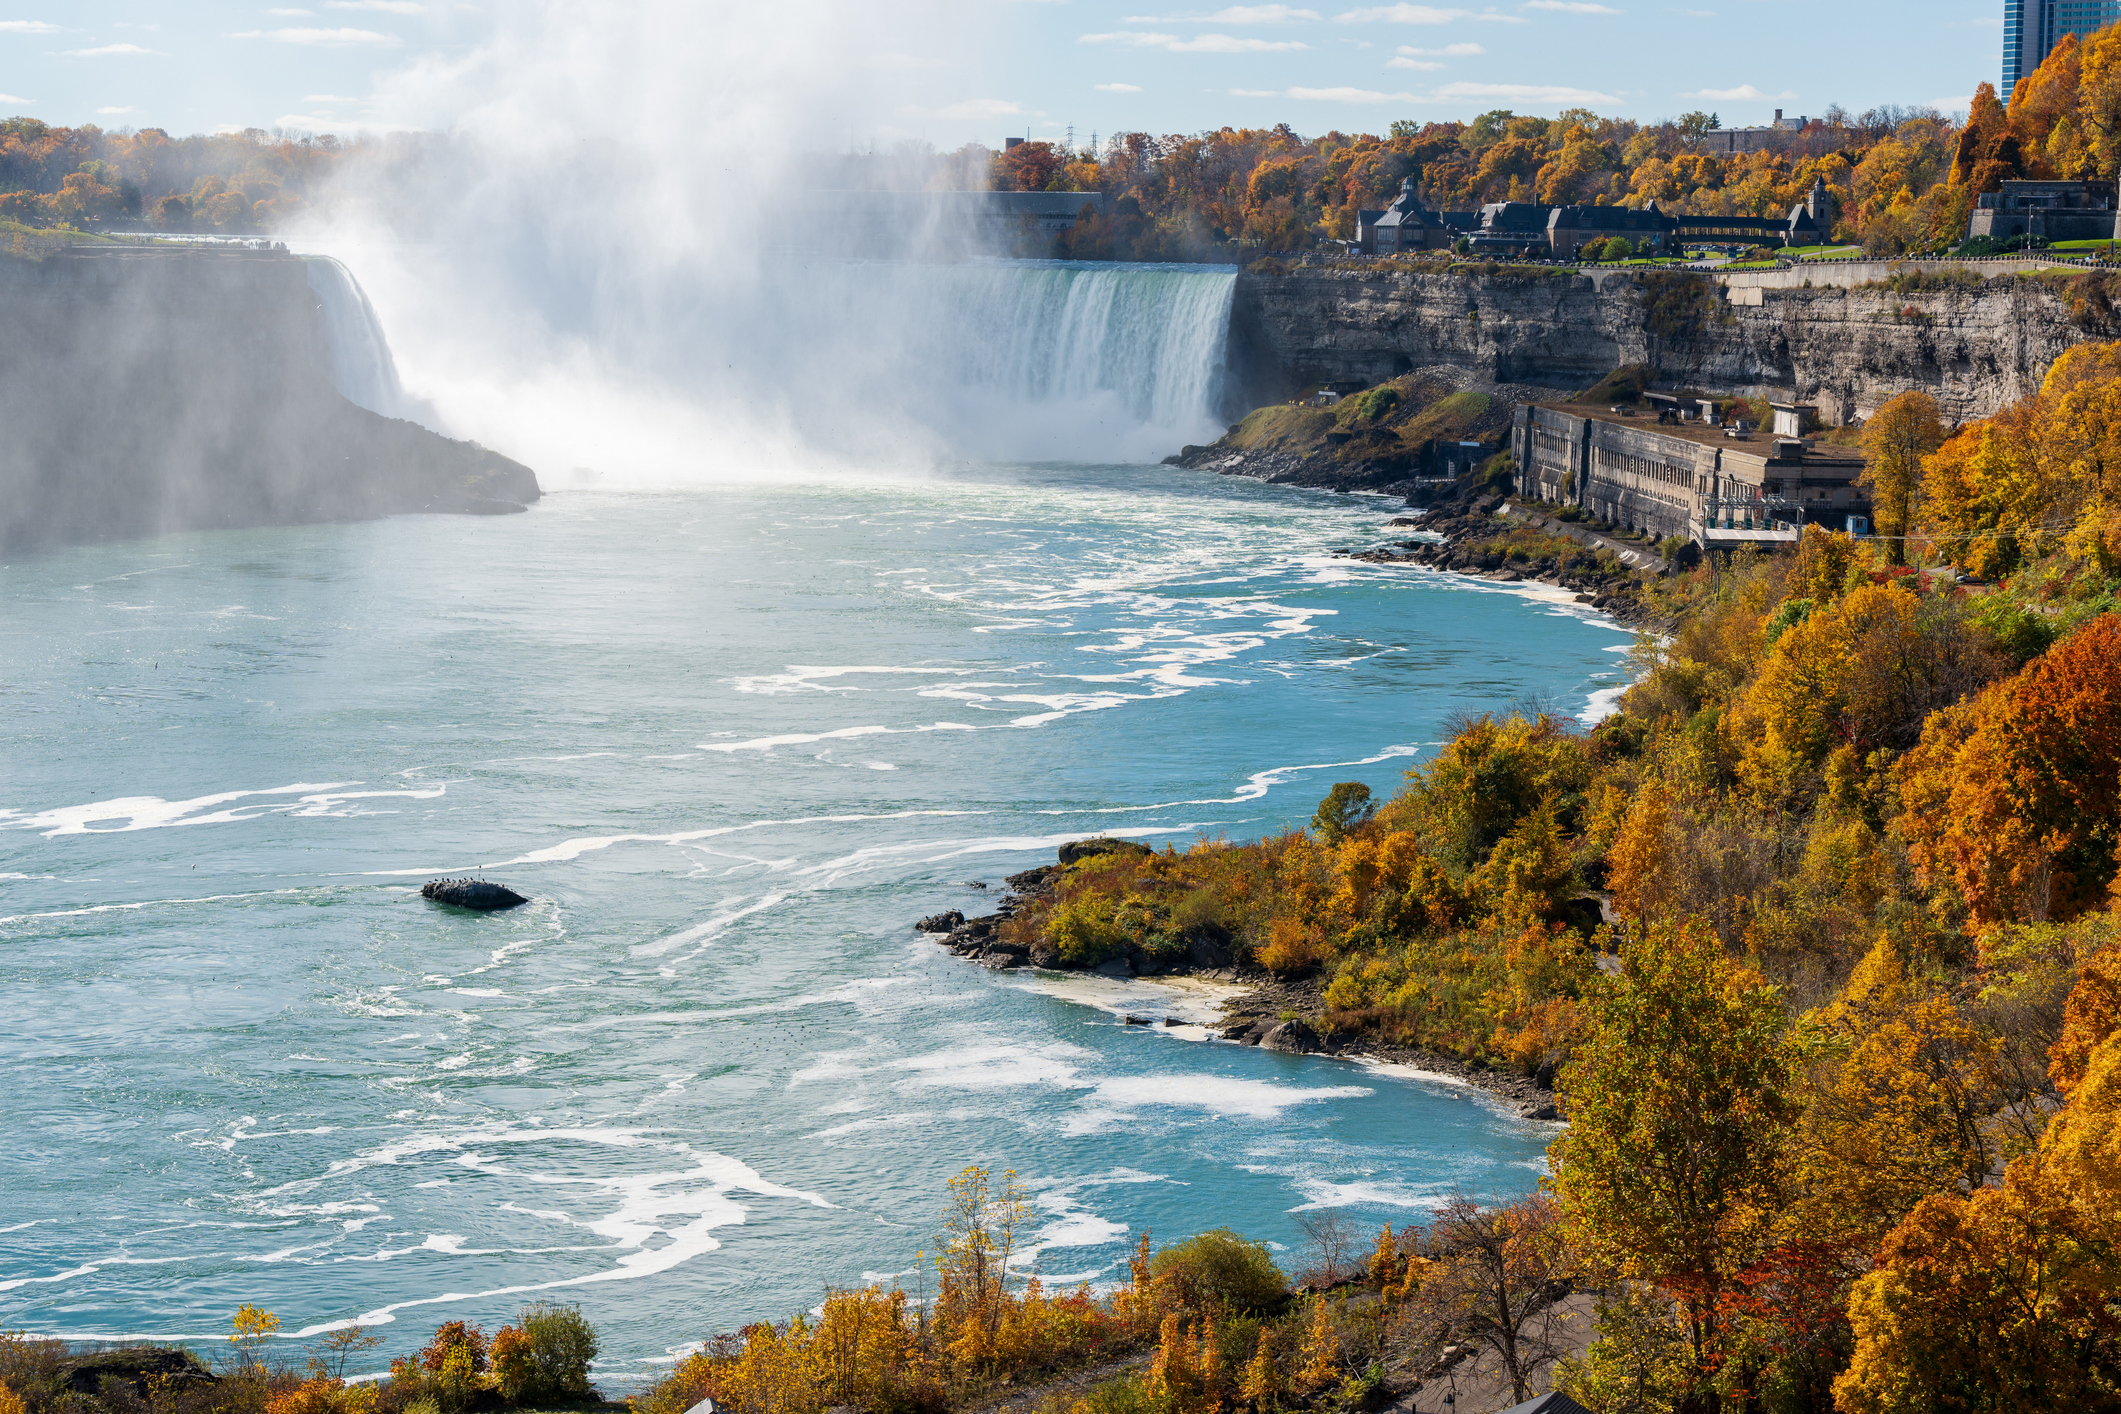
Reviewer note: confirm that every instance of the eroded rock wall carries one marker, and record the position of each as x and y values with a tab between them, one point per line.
1974	350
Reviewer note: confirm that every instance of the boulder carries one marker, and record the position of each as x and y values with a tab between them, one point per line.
1292	1037
472	893
1089	849
999	961
1208	946
1114	967
142	1367
1048	958
1545	1111
942	922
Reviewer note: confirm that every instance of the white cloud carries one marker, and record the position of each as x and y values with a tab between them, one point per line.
1964	103
1426	66
388	7
1449	51
1404	14
1347	95
322	38
1231	44
1234	15
104	49
1525	93
15	98
1199	44
328	98
114	112
1117	87
972	109
1255	93
318	123
1572	7
27	27
1744	93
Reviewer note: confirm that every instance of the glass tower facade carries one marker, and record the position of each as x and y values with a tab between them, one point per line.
2032	27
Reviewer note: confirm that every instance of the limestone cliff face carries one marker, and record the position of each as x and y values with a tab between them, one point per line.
150	391
1974	350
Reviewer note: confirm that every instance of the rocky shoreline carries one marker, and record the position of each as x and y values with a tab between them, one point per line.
1273	1014
1462	531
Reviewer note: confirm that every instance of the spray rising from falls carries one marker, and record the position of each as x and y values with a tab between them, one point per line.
352	351
864	364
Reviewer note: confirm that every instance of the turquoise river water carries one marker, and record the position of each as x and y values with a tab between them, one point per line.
734	741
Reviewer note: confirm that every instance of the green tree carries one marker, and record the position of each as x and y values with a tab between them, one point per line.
1679	1107
1346	808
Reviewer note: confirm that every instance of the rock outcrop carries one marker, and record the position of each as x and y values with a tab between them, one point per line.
146	390
1973	348
475	894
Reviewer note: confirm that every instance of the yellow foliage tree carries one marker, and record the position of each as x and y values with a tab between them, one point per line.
1896	439
1261	1385
1321	1348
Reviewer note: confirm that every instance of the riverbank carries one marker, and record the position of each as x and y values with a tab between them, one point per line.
1258	1008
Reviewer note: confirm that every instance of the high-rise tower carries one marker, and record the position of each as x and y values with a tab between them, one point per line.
2031	28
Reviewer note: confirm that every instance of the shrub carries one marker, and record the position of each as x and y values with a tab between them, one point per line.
1220	1270
545	1356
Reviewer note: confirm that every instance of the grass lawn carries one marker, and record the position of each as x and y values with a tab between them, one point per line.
1817	252
2078	245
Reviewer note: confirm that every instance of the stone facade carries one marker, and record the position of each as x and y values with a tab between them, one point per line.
2054	211
1703	485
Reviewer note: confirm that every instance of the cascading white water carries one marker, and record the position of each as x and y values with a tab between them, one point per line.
355	354
1153	337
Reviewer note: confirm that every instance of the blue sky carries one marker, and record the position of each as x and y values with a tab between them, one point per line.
1040	66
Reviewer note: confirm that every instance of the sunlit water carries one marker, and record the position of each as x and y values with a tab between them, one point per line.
733	741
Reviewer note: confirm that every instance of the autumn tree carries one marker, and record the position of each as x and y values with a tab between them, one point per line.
1494	1281
2013	800
1679	1106
2007	1298
1895	440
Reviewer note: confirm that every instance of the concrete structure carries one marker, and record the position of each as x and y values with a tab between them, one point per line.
2032	27
2054	211
1685	478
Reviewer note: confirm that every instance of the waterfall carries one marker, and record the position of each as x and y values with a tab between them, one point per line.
1013	359
351	349
1151	337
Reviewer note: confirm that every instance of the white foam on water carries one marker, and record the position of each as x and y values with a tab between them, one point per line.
1217	1094
149	812
999	1066
1369	1193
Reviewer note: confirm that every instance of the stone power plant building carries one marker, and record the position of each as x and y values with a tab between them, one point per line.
1681	474
2052	211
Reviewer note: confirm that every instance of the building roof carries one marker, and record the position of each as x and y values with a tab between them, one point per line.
1555	1403
1524	216
1608	218
1763	445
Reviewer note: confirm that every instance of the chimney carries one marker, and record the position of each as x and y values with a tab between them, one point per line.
1778	116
